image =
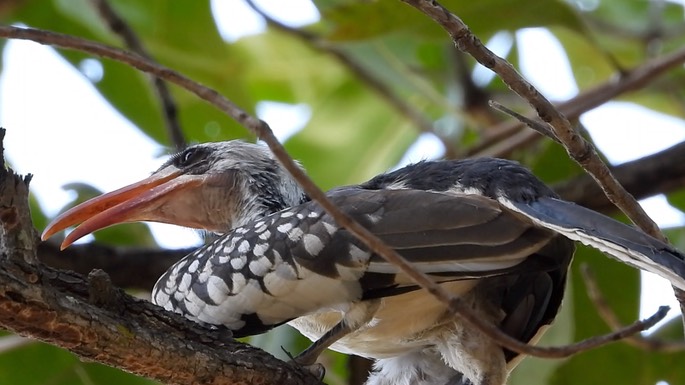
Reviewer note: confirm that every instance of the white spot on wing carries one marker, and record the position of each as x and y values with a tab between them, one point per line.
312	244
330	228
295	234
260	266
217	289
259	249
284	228
239	262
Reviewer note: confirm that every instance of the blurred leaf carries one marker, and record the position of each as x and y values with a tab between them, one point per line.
670	331
616	363
384	17
57	367
677	199
630	15
37	216
551	163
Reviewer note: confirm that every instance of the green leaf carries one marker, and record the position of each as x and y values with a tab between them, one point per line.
386	17
615	363
344	152
57	367
677	199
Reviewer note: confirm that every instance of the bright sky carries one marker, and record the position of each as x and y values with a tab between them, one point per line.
62	131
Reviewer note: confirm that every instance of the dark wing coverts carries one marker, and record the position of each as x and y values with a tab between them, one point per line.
290	264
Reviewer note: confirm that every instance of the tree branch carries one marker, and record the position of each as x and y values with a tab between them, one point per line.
422	122
577	147
498	144
169	110
609	316
131	268
662	172
104	324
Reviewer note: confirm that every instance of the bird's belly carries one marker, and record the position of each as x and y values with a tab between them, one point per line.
401	323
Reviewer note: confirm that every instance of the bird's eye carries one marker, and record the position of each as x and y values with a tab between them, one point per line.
189	157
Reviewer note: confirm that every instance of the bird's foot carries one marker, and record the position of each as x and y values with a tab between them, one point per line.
316	369
307	360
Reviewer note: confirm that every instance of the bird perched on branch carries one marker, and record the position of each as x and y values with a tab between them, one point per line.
487	230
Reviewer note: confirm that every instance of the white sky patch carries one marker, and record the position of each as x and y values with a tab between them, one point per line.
543	62
627	131
66	132
426	147
284	119
236	19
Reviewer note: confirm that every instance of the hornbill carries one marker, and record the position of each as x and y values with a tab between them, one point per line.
485	229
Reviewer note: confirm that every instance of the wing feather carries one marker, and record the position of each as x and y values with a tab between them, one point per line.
623	242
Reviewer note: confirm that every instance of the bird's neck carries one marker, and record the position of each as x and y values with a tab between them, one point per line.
265	195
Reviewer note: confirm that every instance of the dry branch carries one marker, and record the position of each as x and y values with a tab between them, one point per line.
499	143
577	147
57	307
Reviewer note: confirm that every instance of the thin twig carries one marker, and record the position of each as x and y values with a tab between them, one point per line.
577	147
169	109
542	128
609	316
262	130
421	121
627	81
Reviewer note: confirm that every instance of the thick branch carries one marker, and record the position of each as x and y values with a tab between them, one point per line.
131	268
102	323
662	172
131	334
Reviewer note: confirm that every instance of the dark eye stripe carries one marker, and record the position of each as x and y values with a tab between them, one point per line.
189	157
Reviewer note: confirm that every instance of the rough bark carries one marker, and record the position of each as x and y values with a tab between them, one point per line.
99	322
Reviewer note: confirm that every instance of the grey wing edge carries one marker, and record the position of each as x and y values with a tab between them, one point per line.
608	235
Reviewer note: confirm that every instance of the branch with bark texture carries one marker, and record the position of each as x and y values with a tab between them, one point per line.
500	143
101	323
262	130
130	268
577	147
662	172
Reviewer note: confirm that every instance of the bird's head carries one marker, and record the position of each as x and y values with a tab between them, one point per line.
210	186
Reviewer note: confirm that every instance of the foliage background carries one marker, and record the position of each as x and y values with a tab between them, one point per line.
354	132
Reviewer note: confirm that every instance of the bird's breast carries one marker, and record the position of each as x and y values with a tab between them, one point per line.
400	324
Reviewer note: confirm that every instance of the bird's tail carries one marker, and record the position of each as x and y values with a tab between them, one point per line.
612	237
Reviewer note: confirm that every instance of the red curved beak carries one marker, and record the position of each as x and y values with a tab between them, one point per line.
140	201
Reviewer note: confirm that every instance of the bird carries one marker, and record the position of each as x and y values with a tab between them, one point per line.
485	229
